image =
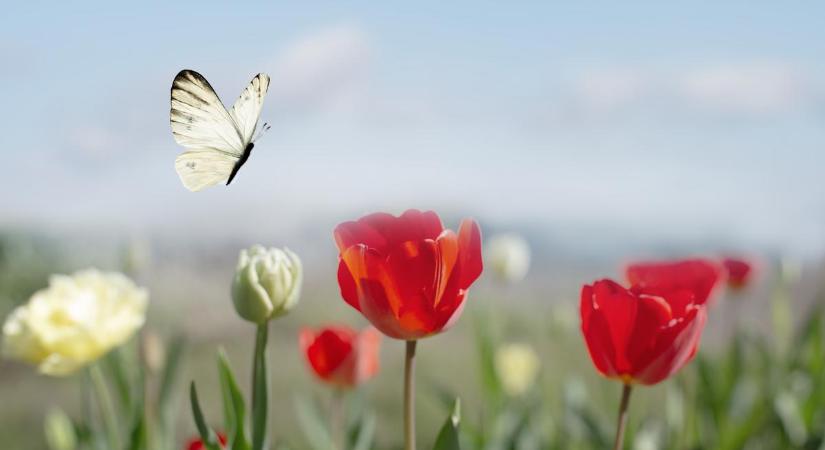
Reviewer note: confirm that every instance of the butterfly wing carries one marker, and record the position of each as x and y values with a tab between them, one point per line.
247	109
204	167
199	119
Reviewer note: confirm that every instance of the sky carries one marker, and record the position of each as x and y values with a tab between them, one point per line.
678	121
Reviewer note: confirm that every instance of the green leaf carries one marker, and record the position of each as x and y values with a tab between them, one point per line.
313	426
260	389
486	353
171	370
236	407
366	433
208	437
448	436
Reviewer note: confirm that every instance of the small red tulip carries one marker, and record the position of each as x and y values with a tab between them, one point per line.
407	275
700	276
739	272
197	444
340	355
638	337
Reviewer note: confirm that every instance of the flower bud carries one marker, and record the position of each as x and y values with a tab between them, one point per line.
267	283
509	257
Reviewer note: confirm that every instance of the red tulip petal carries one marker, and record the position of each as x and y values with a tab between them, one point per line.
381	231
675	347
652	315
346	283
620	307
469	250
368	345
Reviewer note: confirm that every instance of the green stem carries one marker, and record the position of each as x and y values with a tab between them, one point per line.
337	419
260	388
409	397
622	422
107	410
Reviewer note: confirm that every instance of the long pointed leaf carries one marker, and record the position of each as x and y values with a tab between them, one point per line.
208	437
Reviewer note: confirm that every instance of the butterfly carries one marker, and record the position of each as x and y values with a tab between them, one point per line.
218	142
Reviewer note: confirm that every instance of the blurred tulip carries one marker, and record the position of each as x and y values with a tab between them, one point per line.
153	351
75	321
341	356
638	337
407	275
60	433
509	257
267	283
699	276
197	444
739	272
517	366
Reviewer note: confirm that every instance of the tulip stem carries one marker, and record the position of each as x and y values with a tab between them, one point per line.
620	426
409	397
337	419
104	401
260	388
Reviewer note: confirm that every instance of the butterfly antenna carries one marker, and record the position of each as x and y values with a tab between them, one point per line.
264	128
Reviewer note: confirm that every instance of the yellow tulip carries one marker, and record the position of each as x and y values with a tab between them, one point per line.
74	321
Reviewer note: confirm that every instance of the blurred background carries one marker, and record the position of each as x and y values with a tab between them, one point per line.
602	133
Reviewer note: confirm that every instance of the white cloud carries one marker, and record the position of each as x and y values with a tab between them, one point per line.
321	69
746	88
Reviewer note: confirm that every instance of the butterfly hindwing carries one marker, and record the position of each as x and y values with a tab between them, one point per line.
201	168
199	119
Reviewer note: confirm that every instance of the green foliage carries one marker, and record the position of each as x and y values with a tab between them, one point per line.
448	436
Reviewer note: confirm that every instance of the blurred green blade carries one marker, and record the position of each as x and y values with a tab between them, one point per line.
171	370
236	407
448	436
313	426
210	441
366	433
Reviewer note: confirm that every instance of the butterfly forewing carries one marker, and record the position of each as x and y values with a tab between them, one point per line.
247	109
199	119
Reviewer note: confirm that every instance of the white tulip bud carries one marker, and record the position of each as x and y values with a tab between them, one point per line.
267	283
509	256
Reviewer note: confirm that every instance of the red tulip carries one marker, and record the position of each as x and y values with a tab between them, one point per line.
638	337
197	444
700	276
407	275
739	272
340	355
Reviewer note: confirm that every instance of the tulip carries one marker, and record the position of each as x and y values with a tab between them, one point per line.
509	257
700	276
341	356
267	283
739	272
517	366
409	277
75	321
197	444
639	337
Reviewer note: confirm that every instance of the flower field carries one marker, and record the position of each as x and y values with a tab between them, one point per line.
741	367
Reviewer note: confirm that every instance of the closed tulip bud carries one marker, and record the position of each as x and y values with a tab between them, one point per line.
267	283
509	257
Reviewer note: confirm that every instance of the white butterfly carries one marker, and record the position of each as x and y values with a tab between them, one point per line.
218	142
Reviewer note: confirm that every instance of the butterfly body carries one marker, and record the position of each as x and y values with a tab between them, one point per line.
247	151
218	141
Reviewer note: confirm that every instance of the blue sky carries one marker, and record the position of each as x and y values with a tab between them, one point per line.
669	120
